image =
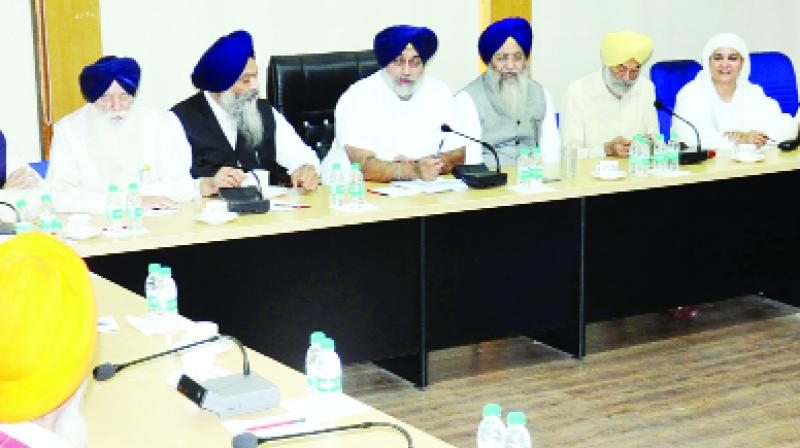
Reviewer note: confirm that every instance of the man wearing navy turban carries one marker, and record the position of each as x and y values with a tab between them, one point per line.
14	173
504	106
112	141
232	131
390	122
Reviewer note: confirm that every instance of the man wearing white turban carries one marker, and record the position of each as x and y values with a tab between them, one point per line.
602	111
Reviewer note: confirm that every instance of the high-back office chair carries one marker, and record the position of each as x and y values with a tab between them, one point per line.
774	72
669	78
306	87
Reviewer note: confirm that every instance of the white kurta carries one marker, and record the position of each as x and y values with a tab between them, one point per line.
31	435
592	116
161	167
370	115
470	124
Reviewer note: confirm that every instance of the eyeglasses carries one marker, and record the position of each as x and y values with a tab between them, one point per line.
505	57
124	99
622	69
415	62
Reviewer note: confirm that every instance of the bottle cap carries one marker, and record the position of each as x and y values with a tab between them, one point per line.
673	135
46	197
166	271
133	186
21	203
492	410
356	166
660	137
56	224
515	418
337	165
523	151
536	150
112	188
327	344
153	268
317	337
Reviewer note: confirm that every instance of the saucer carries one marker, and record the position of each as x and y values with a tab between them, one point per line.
81	233
609	175
216	218
750	157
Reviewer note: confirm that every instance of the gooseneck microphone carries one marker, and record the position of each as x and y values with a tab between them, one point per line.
249	440
107	370
478	176
686	158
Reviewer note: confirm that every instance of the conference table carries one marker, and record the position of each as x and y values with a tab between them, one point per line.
139	408
427	272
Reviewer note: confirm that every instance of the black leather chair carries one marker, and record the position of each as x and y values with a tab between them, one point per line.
306	87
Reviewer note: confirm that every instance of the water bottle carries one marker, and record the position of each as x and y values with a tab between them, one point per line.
25	222
358	189
57	228
491	430
633	156
673	152
151	284
523	168
133	208
328	369
659	155
536	167
517	435
47	213
167	295
336	187
312	356
114	209
644	157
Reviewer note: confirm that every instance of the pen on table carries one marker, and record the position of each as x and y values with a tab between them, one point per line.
276	424
370	190
279	205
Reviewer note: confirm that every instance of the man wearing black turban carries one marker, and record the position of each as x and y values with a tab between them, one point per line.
390	122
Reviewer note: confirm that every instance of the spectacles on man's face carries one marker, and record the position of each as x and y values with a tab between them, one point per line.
503	58
107	100
622	69
413	62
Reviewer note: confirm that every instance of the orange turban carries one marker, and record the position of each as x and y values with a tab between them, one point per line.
48	325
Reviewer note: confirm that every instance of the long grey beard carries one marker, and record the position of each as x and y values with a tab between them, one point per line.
616	86
403	91
511	94
115	147
244	109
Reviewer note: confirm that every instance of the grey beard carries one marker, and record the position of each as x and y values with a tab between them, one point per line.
244	110
403	91
616	86
512	94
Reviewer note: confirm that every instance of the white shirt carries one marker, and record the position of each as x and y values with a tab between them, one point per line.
31	435
370	115
592	116
161	168
470	122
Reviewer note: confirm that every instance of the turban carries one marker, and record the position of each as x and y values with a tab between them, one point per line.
48	325
496	34
96	78
618	48
223	62
391	42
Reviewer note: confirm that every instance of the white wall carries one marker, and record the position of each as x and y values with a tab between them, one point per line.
18	115
167	37
567	33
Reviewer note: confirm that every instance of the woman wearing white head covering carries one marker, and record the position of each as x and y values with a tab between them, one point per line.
724	105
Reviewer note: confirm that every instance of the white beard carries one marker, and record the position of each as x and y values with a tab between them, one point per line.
617	86
244	110
403	91
115	146
512	93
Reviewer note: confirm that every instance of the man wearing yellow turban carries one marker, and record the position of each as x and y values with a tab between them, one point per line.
47	341
602	111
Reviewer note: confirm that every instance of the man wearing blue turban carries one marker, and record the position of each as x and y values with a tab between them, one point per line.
232	131
504	106
112	141
14	173
390	122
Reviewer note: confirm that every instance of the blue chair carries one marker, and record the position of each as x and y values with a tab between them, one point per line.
2	159
40	167
669	78
774	72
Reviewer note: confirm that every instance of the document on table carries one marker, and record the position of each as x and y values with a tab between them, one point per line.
413	187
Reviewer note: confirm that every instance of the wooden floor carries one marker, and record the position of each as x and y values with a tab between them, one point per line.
729	379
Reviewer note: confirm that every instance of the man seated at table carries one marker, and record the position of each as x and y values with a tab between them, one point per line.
232	131
14	173
390	122
504	106
111	140
47	342
603	110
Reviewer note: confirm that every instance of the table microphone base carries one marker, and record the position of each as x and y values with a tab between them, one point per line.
479	176
693	157
232	395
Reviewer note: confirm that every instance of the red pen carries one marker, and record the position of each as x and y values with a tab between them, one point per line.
279	205
369	190
276	424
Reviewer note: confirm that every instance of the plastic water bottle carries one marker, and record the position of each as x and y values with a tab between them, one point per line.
328	369
336	187
114	209
537	167
358	189
151	284
133	208
659	155
312	357
25	223
523	168
633	156
517	435
47	213
643	157
57	228
491	430
167	295
673	152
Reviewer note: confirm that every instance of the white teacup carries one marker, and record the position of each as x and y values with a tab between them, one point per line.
607	166
747	148
215	207
79	220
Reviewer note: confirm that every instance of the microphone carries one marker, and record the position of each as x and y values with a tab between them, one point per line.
478	176
107	370
686	158
249	440
788	145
